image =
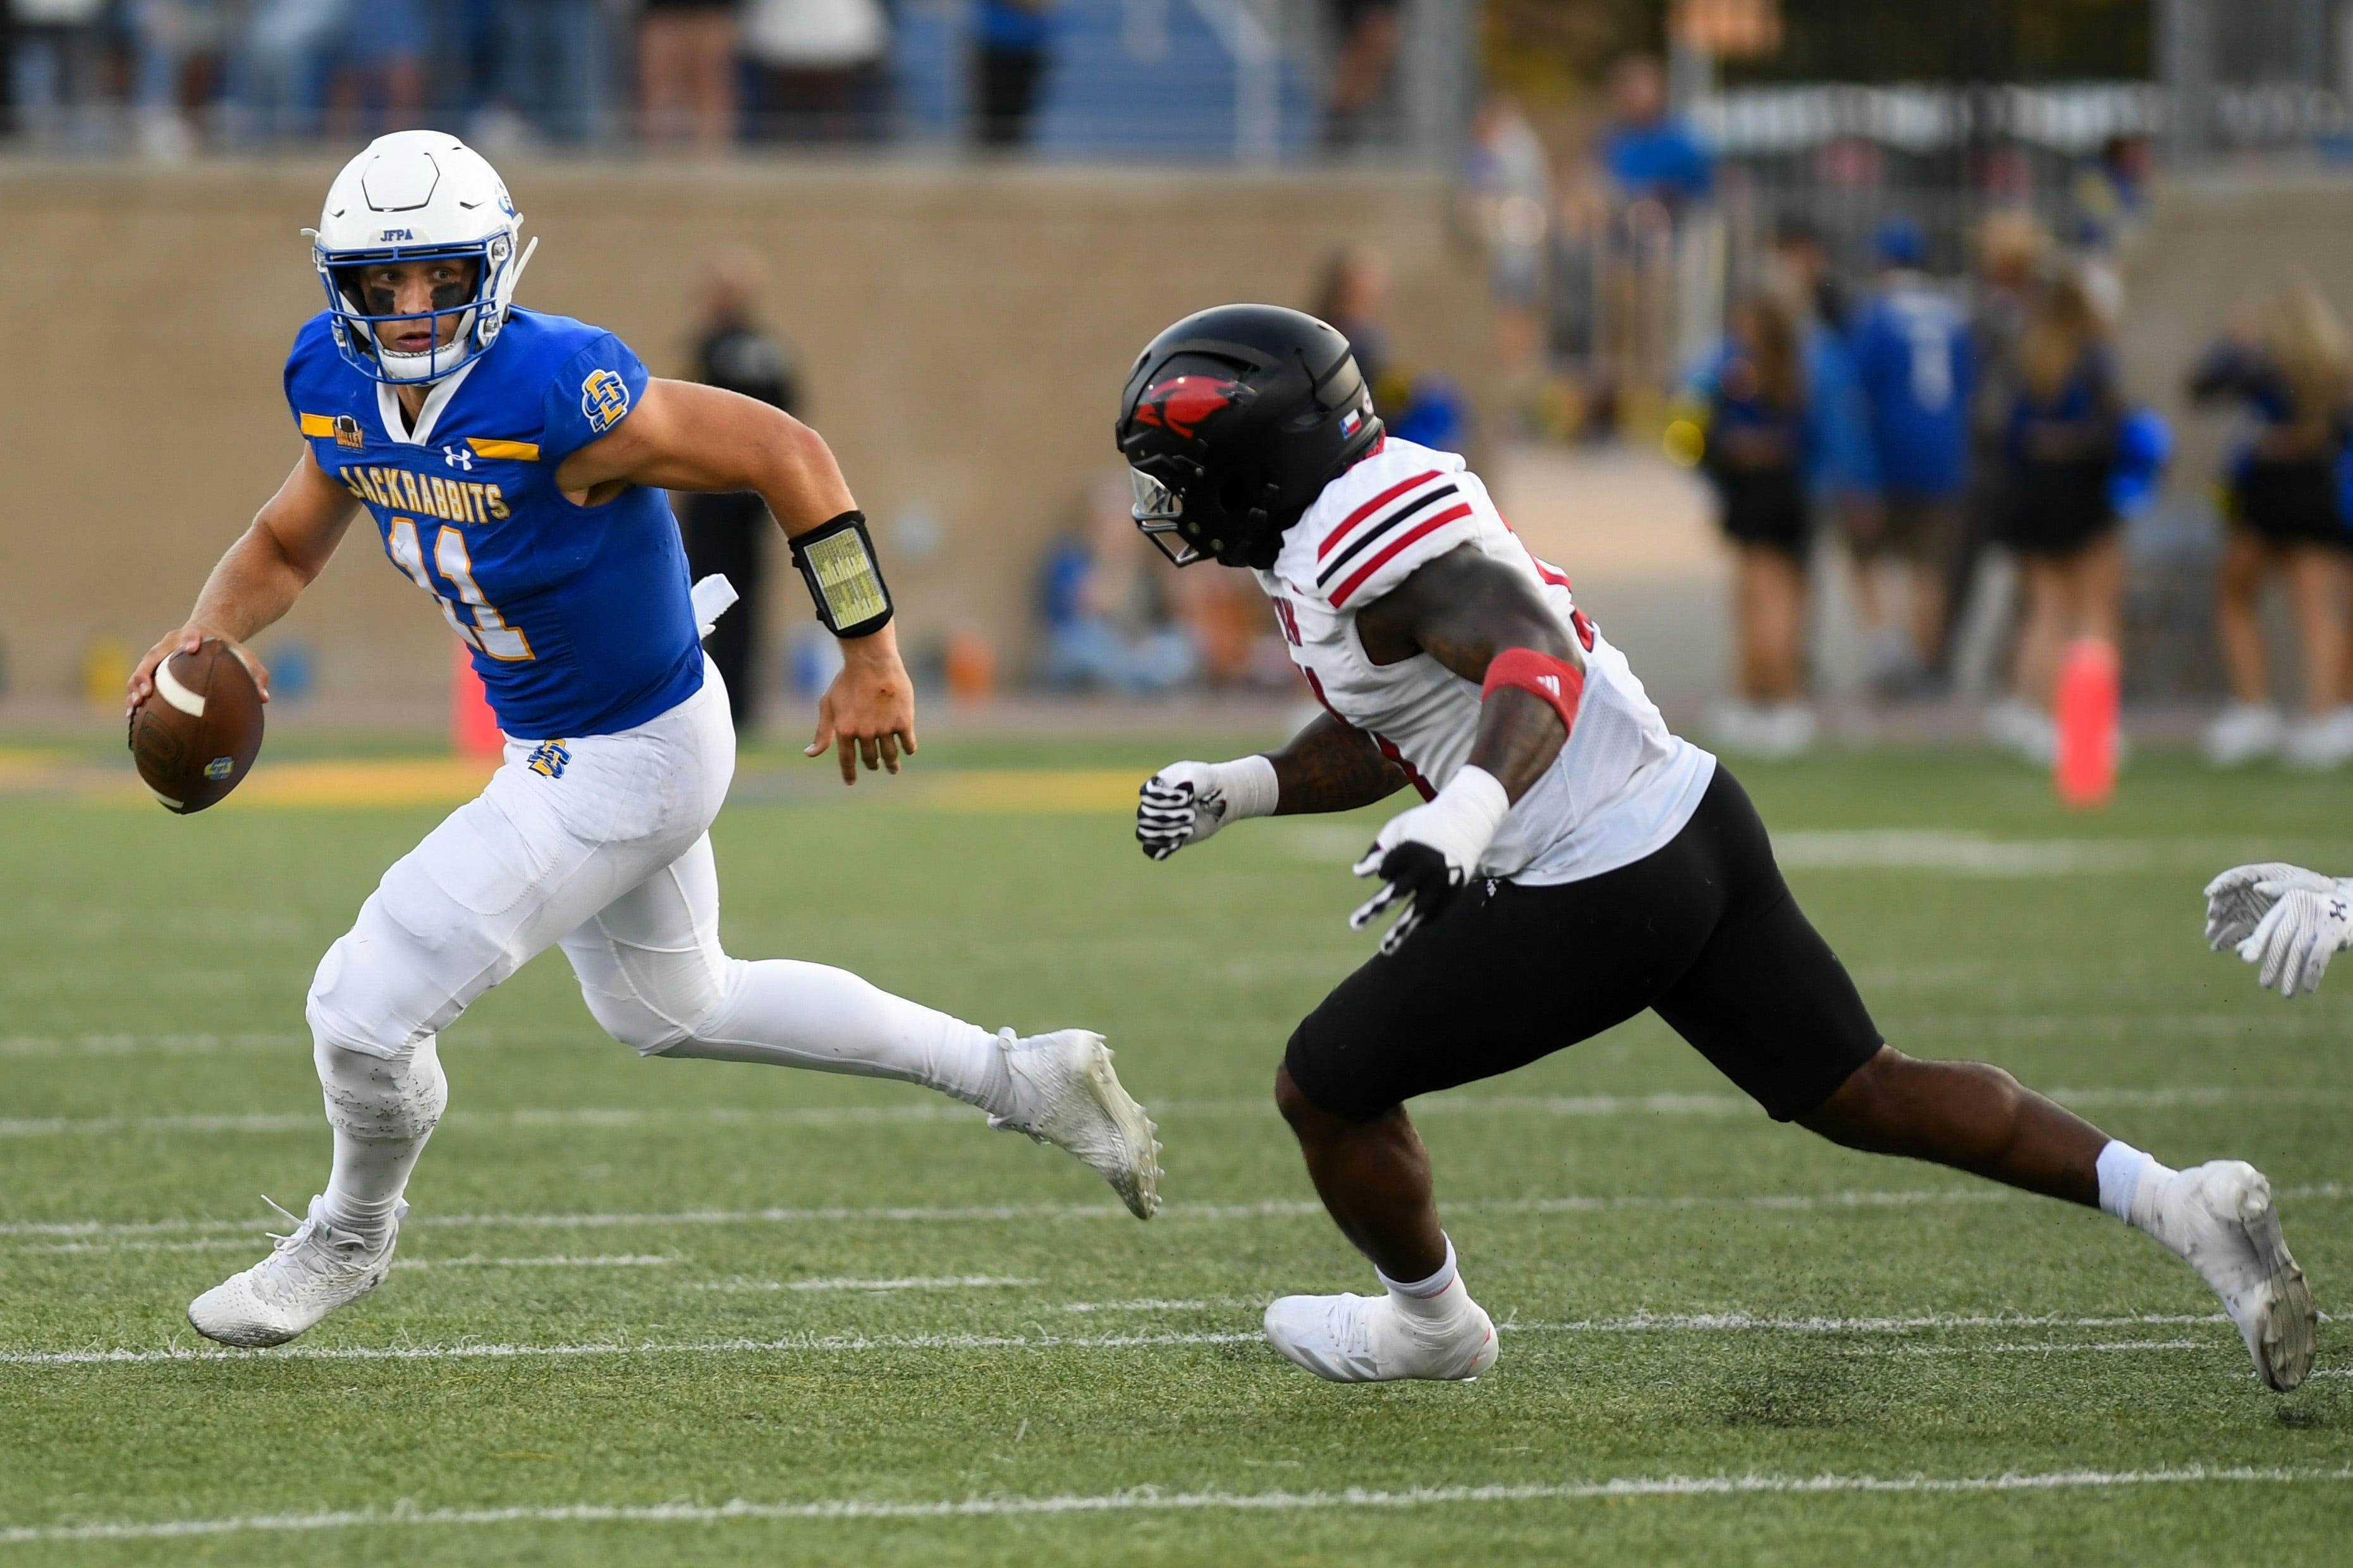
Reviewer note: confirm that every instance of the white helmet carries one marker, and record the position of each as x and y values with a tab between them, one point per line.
416	196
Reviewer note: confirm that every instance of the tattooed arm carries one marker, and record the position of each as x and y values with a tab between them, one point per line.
1327	767
1462	609
1468	611
1332	766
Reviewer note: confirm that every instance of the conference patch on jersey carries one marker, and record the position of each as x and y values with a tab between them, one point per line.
604	398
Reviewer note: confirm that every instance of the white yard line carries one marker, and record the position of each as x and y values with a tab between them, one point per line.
1268	1208
548	1260
2274	1021
1152	1499
308	1122
830	1344
1930	850
912	1282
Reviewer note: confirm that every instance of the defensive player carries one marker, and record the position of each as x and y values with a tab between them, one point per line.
2285	920
1571	862
514	464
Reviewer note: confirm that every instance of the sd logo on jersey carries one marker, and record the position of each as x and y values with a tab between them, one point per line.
604	398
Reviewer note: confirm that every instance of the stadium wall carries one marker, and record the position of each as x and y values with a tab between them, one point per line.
963	331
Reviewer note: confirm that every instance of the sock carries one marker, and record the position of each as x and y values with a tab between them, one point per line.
1432	1297
786	1013
382	1110
2129	1184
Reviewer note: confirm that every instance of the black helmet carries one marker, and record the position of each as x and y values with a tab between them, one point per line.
1232	423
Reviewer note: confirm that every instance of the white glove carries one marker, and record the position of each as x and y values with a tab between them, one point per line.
1185	802
2303	930
2237	900
1428	853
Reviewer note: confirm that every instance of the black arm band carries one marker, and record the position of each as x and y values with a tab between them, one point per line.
837	561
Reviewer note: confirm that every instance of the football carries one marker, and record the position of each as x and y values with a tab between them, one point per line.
197	735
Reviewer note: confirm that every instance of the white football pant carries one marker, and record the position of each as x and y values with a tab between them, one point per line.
599	844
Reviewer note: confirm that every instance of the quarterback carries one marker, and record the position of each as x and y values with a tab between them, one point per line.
1570	863
513	464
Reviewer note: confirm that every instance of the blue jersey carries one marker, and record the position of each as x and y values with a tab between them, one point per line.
1914	365
577	617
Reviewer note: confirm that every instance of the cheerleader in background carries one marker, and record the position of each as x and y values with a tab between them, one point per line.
1770	422
2286	516
2061	452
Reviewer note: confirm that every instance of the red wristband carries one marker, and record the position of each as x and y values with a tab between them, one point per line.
1557	681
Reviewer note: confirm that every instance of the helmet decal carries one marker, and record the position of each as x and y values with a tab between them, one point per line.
1180	405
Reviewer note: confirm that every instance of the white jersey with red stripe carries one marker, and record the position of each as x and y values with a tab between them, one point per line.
1624	785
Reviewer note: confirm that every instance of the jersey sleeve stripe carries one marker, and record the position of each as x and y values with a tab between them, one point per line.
317	425
1369	508
1428	526
1428	497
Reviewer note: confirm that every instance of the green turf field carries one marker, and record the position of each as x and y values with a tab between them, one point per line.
656	1312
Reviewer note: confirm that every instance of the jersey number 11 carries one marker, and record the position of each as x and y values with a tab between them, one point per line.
489	630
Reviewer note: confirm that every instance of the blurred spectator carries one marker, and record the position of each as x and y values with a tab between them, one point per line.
467	66
1803	261
1012	45
2111	193
686	72
1364	34
1507	188
1107	621
1353	296
2010	249
2061	453
1913	362
733	533
557	67
2286	487
1772	420
1224	615
1648	153
177	45
282	60
814	59
57	56
380	86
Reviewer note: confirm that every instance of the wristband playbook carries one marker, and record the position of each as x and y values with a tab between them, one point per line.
837	561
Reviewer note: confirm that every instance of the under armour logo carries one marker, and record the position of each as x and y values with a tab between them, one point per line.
461	457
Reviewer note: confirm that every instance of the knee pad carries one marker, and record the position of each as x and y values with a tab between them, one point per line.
379	1098
659	1009
382	987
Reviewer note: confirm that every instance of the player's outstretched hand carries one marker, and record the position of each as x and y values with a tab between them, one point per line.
1185	802
2236	901
2305	927
868	712
187	639
1426	854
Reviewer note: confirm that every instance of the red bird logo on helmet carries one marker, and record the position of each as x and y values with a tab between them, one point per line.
1179	405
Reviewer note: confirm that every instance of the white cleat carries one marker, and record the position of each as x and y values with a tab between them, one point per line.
313	1269
1369	1338
2222	1219
1070	1097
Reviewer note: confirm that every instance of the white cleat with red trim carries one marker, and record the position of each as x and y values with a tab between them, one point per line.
1372	1339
